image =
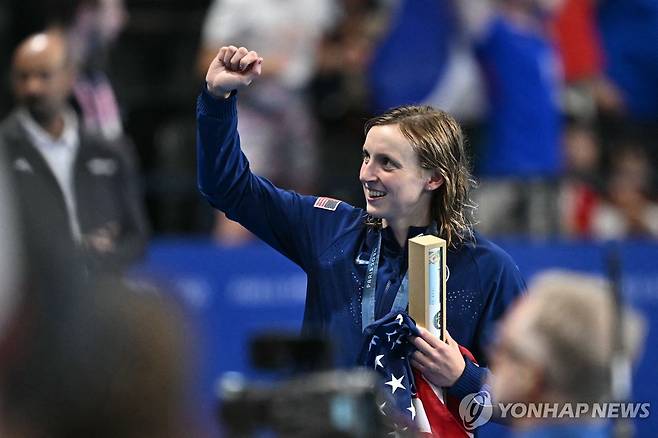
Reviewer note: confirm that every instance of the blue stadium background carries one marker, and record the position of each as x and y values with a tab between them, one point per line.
230	294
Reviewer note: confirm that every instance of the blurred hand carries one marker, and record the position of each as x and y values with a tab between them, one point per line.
441	363
232	69
102	239
609	97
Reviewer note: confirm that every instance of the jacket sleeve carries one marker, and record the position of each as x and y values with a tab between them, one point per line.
505	284
285	220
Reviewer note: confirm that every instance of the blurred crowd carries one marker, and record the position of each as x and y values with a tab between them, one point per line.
559	98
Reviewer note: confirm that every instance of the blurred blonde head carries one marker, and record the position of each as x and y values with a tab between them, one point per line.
557	344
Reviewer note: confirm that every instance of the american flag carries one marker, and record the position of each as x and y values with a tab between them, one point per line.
387	350
326	203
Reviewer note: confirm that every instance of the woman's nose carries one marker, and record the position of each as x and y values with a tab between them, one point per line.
367	172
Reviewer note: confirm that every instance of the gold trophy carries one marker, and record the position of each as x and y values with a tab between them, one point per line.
427	283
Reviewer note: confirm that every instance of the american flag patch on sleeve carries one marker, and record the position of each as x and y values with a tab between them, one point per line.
326	204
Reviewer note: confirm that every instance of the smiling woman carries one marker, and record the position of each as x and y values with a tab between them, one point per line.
415	177
397	190
430	144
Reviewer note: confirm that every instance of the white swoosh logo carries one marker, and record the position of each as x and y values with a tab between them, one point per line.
360	261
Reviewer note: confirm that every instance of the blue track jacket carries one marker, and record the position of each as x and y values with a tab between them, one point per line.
333	247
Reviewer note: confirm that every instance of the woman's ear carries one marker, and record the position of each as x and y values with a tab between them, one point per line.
434	182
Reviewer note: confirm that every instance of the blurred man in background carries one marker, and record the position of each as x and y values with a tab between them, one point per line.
556	346
77	191
82	356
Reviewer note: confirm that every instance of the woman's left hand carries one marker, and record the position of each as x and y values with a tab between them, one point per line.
441	363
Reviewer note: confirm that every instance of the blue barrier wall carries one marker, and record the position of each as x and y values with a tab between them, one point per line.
229	294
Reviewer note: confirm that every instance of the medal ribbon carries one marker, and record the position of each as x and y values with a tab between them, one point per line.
401	301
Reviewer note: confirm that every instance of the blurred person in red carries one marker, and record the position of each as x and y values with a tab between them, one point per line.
556	347
582	185
75	190
629	210
579	45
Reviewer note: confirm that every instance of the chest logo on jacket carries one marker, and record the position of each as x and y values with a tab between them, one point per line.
360	261
102	166
326	204
22	165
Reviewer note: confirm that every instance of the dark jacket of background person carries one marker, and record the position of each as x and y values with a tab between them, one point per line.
81	355
106	194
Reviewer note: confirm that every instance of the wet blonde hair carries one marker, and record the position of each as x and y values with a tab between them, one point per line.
439	143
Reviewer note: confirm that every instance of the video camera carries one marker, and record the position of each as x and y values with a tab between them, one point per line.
312	400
